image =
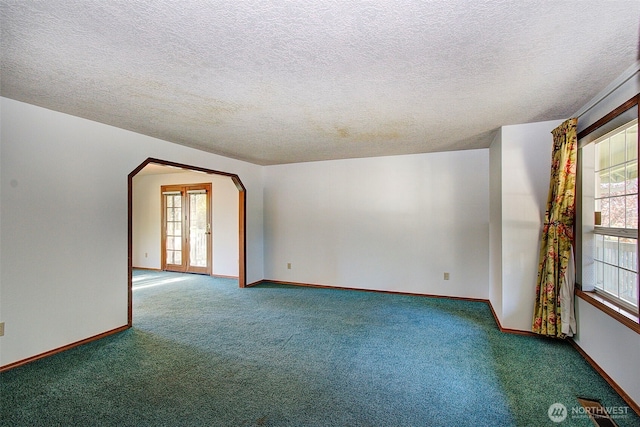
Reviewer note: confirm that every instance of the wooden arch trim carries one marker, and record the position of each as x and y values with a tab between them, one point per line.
242	223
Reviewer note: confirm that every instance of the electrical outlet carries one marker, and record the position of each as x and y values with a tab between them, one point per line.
146	254
1	329
446	276
288	266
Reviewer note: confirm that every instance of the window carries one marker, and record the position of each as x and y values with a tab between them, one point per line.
614	240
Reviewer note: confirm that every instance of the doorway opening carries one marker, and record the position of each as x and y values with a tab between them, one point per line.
194	225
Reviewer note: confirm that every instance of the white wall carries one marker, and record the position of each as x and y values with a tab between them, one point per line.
526	169
613	346
390	223
64	224
495	224
147	219
521	167
225	227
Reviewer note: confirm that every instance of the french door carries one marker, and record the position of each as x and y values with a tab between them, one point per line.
186	228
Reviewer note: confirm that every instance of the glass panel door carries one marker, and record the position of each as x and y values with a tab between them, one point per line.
199	229
173	230
186	228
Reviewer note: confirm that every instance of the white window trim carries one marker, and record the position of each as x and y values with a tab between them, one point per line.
626	233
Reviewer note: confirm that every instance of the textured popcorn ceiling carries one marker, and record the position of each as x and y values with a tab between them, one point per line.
289	81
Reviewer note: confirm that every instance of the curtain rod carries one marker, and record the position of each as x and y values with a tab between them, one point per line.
628	74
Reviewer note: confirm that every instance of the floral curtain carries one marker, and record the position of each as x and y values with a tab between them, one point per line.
553	311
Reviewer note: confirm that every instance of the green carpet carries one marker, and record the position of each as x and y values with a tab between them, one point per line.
204	353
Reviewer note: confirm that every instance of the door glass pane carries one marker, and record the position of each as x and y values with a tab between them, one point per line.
173	257
198	230
174	242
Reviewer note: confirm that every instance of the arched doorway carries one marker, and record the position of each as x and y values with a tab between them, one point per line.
242	281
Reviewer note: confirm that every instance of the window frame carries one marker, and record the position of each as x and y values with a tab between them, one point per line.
616	232
626	314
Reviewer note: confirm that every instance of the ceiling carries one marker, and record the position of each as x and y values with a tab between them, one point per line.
294	81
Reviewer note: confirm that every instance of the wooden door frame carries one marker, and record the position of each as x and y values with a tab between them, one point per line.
242	223
184	191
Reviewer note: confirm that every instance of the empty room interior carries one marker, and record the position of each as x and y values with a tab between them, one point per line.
319	212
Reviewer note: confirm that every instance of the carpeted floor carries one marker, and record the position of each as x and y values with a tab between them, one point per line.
204	353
